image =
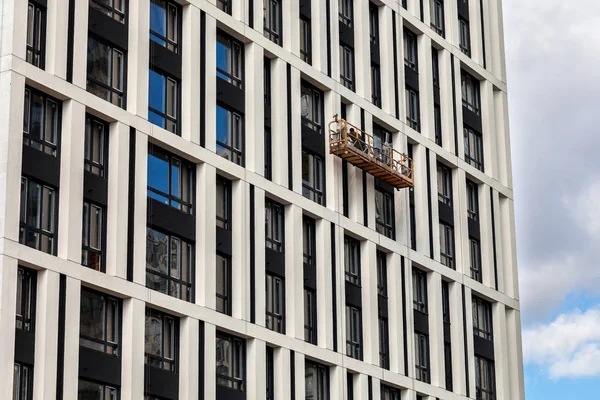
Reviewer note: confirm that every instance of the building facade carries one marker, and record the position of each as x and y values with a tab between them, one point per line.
174	223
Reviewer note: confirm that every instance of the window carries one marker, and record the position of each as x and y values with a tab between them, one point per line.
39	210
375	85
272	21
470	92
169	261
274	225
422	357
309	241
436	9
444	182
170	179
113	8
224	5
352	260
87	390
267	80
346	12
382	274
412	109
312	177
448	366
447	245
230	59
373	23
482	318
316	378
230	132
270	375
223	284
99	322
275	289
485	379
41	122
311	103
22	382
96	146
347	67
105	69
382	144
305	40
384	343
223	203
475	257
435	66
445	302
165	24
93	236
389	393
472	201
353	332
231	361
464	36
163	101
310	316
268	154
384	212
25	309
473	148
410	50
36	35
420	290
350	385
160	340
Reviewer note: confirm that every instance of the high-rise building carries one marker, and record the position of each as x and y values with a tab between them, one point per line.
256	199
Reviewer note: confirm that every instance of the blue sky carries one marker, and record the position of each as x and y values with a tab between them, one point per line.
553	63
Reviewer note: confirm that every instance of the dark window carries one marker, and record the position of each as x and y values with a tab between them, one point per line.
165	21
170	179
230	59
312	177
472	201
223	203
161	335
105	71
267	80
22	382
169	264
272	21
464	36
384	212
384	343
382	283
375	85
41	122
163	100
113	8
274	225
275	305
87	390
435	66
353	332
389	393
347	66
92	254
444	182
305	40
39	209
422	357
350	385
373	23
316	378
470	92
485	379
99	322
419	290
436	9
224	5
447	245
445	302
36	35
96	146
223	284
230	134
482	318
475	258
270	375
352	260
309	241
346	11
310	316
448	365
473	148
412	109
437	120
231	361
410	50
311	103
268	154
25	309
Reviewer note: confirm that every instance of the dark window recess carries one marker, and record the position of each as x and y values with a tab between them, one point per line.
389	393
384	343
346	12
223	203
105	71
170	179
165	23
230	134
316	378
485	379
231	361
448	366
375	84
41	122
412	109
410	50
270	374
382	283
224	5
39	212
473	148
273	21
436	8
96	146
22	382
309	243
36	35
445	302
89	390
435	66
353	332
163	100
347	66
93	246
312	177
352	260
99	322
230	59
472	201
161	336
419	290
275	305
25	307
350	385
113	8
268	154
274	225
169	264
475	258
470	89
310	316
267	81
384	213
311	103
464	36
447	245
305	40
437	120
444	182
422	370
482	318
223	284
373	23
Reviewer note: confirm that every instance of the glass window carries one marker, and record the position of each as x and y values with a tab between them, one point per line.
473	148
267	80
113	8
163	100
473	201
305	40
92	255
373	23
268	154
475	258
231	361
165	23
170	179
448	365
38	216
419	290
437	120
230	59
274	225
96	145
445	302
444	182
375	85
309	242
223	203
470	92
384	212
99	322
310	316
272	21
389	393
384	343
270	375
435	66
353	332
316	379
223	288
36	35
275	304
312	177
382	274
346	11
41	122
485	379
436	9
22	382
25	310
311	105
352	260
412	109
169	263
464	36
347	67
482	318
382	145
447	245
160	339
87	390
230	133
422	357
224	5
350	385
410	50
105	69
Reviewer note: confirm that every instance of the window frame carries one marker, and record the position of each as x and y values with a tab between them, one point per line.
227	284
444	180
376	85
275	303
413	117
483	319
86	247
446	302
117	85
309	242
485	386
174	118
422	360
346	12
36	35
385	219
321	383
382	282
42	144
171	44
173	200
238	362
373	23
354	346
420	298
352	261
411	52
117	323
464	36
25	229
274	237
235	51
475	259
273	21
473	139
25	308
314	107
224	5
384	342
164	362
310	316
305	40
470	92
233	152
108	392
22	372
90	164
436	11
347	67
313	188
389	393
111	11
224	186
447	243
472	200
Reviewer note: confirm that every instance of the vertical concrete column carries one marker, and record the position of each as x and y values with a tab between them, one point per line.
259	255
496	38
413	7
299	376
295	115
386	49
476	32
376	386
410	320
333	163
46	334
470	361
240	259
396	307
461	227
451	21
341	290
118	201
488	119
426	85
502	138
255	111
291	27
324	290
140	212
420	190
256	358
259	15
279	127
500	266
189	334
210	85
409	394
70	207
134	326
8	304
487	250
436	329
190	88
294	273
515	355
401	75
401	197
210	365
334	27
80	39
281	371
206	229
239	11
13	36
457	341
370	317
337	382
501	350
361	386
446	95
57	24
318	25
138	56
355	175
507	228
72	311
362	50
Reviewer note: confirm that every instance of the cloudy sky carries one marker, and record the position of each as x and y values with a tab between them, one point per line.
553	61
